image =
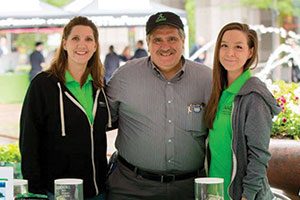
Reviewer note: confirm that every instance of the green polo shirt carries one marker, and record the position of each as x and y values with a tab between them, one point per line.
84	95
220	137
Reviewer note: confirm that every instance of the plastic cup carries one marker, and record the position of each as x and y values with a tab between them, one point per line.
20	186
209	189
68	189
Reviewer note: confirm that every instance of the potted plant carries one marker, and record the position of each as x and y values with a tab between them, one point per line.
284	166
287	123
10	156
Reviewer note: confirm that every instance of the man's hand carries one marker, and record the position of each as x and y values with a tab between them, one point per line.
243	198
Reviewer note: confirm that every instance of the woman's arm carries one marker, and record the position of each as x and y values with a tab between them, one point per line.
257	132
30	137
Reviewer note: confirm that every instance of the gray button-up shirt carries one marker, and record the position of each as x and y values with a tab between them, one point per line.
161	125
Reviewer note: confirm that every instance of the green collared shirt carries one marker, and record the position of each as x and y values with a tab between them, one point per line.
220	137
84	95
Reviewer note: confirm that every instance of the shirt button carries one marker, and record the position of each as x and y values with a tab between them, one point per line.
170	140
170	121
169	83
169	161
169	101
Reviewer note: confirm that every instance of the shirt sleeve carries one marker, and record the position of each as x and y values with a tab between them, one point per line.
114	91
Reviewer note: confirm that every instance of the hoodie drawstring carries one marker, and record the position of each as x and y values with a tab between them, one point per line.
96	102
61	107
108	109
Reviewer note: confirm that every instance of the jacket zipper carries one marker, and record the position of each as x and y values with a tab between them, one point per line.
233	155
91	132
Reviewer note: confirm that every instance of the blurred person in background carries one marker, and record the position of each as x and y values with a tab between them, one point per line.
125	55
199	44
13	57
140	50
36	60
111	63
294	61
3	46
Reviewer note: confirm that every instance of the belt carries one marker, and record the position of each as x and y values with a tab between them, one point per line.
163	178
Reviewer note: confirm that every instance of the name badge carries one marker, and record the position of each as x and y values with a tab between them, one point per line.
196	108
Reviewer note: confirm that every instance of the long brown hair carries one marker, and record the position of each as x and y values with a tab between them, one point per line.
94	67
220	74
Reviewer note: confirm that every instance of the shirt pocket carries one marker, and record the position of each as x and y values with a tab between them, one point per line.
194	120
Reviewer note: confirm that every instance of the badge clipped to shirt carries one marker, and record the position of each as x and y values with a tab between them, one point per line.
196	108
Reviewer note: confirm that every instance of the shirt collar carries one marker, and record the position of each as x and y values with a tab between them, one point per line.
69	78
239	82
157	72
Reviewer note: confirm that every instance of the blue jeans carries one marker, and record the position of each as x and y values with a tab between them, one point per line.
99	197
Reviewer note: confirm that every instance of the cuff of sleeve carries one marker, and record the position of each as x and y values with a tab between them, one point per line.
249	194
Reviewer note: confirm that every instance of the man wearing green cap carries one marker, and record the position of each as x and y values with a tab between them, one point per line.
159	102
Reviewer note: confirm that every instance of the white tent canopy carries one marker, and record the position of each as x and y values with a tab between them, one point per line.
78	5
120	12
33	13
29	13
21	14
22	9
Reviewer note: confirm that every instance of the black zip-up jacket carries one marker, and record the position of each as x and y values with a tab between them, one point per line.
57	139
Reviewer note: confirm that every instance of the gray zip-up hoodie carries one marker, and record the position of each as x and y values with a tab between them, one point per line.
254	108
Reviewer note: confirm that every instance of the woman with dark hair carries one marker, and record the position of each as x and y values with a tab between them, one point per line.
239	116
65	115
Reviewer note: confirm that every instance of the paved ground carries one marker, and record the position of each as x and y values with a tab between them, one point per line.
9	119
5	140
9	126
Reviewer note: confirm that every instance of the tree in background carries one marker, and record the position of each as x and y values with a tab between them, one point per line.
26	41
190	7
285	10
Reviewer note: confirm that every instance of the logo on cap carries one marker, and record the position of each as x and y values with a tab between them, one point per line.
160	18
